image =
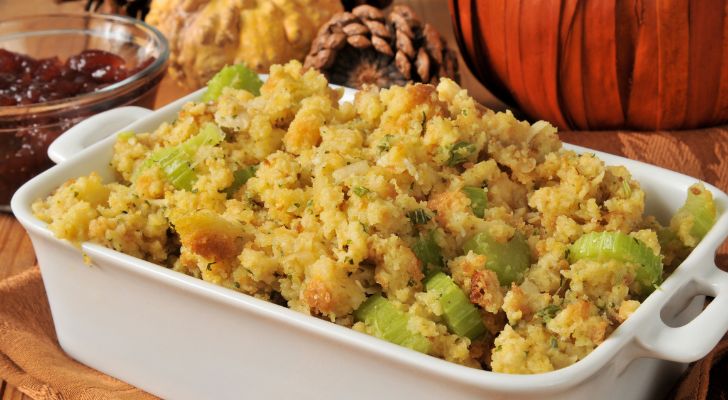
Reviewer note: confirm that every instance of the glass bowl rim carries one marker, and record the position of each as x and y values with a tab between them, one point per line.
150	71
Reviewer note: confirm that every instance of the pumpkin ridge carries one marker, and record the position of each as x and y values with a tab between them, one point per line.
540	67
582	61
673	57
498	89
559	55
512	80
602	100
720	113
526	101
570	76
552	73
469	38
705	22
643	102
626	20
457	30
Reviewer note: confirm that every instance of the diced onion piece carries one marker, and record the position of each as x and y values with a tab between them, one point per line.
357	168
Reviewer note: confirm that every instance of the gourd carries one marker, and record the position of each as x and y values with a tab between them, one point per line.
606	64
206	35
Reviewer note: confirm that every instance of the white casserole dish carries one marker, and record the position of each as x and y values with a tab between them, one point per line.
182	338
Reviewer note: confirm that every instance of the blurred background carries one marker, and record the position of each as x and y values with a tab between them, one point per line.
434	12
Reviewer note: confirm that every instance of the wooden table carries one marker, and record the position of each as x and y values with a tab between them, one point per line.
16	251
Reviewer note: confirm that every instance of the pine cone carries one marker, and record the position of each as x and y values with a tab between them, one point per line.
133	8
350	4
363	47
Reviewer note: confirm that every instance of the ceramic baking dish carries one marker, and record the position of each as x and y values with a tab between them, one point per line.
182	338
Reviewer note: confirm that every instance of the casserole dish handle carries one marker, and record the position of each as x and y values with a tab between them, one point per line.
92	130
698	337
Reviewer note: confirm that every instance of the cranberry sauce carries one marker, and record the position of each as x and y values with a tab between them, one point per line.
25	80
24	138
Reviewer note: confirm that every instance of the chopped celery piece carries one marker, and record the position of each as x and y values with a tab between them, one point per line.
699	206
389	323
237	76
240	177
508	260
459	153
178	168
603	246
210	134
478	200
461	317
177	162
428	252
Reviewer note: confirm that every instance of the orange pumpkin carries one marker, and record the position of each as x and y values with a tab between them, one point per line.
601	64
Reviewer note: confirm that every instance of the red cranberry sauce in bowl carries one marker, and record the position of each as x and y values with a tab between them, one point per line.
25	80
56	70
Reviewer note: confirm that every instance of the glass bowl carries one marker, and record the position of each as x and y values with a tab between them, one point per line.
27	130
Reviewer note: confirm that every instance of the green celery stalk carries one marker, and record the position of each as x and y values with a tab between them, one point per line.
240	177
700	206
177	162
478	199
389	323
461	317
604	246
428	252
508	260
237	76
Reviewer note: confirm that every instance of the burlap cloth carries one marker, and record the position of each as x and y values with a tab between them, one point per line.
31	359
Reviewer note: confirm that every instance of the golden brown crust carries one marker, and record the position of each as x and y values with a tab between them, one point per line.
485	290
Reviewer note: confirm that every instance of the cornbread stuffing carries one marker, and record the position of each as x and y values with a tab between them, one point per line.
412	214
